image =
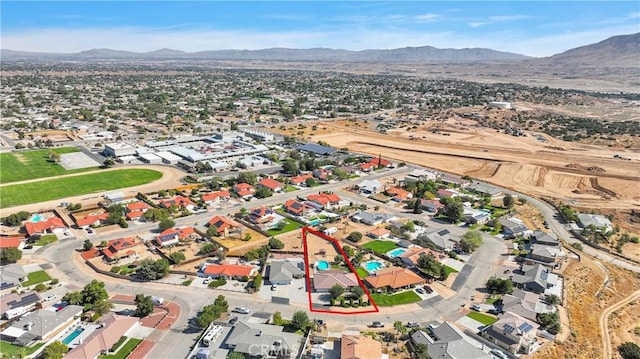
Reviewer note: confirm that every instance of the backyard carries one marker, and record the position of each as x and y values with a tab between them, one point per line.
33	164
45	190
35	278
384	300
361	272
16	351
289	225
380	247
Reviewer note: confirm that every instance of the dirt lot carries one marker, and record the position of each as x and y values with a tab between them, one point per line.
622	324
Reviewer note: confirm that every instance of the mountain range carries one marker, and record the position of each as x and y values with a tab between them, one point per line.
623	50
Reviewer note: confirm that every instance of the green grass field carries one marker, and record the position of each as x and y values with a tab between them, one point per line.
450	270
12	350
380	246
124	351
56	188
383	300
290	226
22	166
482	318
35	278
362	272
46	239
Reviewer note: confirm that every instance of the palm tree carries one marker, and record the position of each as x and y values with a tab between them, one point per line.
399	327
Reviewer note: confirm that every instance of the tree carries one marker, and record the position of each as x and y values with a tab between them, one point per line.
417	206
552	299
277	318
430	266
420	351
257	282
354	236
549	322
247	177
101	306
508	201
94	292
453	209
358	292
108	162
166	223
275	243
212	231
54	156
55	350
10	255
151	270
207	248
300	320
336	291
399	327
177	257
499	285
87	245
290	167
349	251
629	350
471	241
144	305
263	192
310	182
74	298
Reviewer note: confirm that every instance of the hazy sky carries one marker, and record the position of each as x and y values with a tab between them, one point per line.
539	28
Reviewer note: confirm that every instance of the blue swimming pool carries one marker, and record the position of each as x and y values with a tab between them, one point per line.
36	218
322	265
373	266
315	222
72	336
396	252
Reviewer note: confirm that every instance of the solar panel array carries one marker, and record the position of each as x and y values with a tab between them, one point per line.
508	329
525	327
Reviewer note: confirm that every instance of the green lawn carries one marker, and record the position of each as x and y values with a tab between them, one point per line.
33	164
124	351
290	188
450	270
362	272
56	188
46	239
11	350
491	300
380	246
482	318
383	300
35	278
290	226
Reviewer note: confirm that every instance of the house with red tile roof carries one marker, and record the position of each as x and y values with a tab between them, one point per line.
367	167
261	215
271	184
300	180
394	278
180	201
378	233
47	226
216	197
361	347
92	219
134	215
244	190
322	174
137	206
381	162
11	242
120	248
228	271
399	194
296	207
411	255
326	200
175	235
224	226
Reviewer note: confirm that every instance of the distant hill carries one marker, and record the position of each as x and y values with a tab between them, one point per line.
424	54
616	51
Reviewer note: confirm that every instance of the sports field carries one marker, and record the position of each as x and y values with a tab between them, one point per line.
20	166
46	190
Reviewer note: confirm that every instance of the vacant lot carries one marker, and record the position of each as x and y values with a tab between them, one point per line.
33	164
45	190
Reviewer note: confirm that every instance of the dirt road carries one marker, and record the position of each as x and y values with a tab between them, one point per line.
604	319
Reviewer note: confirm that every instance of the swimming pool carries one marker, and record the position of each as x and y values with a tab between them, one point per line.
322	265
36	218
72	336
396	252
373	266
315	222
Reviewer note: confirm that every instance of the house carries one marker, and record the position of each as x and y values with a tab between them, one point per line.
410	256
136	209
378	233
373	218
524	304
323	281
119	248
244	190
398	194
381	162
50	225
513	226
271	184
11	242
322	174
92	219
599	222
420	175
42	324
102	339
360	346
369	186
543	238
431	205
485	189
227	271
440	239
180	202
547	254
12	276
394	278
442	193
316	149
475	216
216	197
296	207
173	236
447	341
300	180
534	278
261	215
257	340
456	181
224	226
326	200
512	333
367	167
284	272
13	305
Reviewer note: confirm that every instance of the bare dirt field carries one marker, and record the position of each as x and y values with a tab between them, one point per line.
585	175
623	326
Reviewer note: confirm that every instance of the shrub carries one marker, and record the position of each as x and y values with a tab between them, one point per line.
115	269
217	283
54	281
187	283
41	287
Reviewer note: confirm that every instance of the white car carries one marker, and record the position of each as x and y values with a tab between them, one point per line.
241	310
498	354
50	297
206	281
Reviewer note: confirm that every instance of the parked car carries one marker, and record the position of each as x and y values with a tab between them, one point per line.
476	308
412	324
206	281
377	325
233	320
428	289
420	290
274	286
241	310
499	354
50	297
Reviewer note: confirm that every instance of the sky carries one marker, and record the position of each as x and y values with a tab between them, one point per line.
537	28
